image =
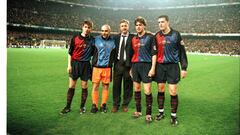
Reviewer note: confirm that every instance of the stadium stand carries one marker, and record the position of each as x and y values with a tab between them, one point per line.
30	39
202	20
214	46
140	4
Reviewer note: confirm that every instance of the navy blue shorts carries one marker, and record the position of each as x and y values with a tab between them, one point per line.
169	73
81	69
140	72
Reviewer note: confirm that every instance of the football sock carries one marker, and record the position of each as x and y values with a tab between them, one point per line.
174	104
95	97
160	110
104	96
138	100
84	97
70	95
174	114
160	99
149	104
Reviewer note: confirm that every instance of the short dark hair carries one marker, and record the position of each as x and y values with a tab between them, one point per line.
164	16
88	22
141	20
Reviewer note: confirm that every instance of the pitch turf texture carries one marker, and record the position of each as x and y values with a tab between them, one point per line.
36	91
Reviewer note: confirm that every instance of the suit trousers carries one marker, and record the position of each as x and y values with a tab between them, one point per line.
121	73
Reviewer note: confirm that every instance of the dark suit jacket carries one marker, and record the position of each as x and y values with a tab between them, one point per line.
128	48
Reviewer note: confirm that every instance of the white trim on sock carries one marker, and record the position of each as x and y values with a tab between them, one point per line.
174	114
161	110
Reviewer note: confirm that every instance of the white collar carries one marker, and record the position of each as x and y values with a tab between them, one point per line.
125	35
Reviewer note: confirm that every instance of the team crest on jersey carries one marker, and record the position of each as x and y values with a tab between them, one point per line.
154	47
182	43
137	45
82	45
168	42
164	42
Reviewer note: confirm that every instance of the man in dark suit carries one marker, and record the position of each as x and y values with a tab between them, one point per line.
122	67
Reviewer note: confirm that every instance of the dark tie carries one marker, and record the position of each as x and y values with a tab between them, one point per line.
122	49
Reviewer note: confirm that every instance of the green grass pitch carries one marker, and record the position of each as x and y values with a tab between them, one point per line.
36	91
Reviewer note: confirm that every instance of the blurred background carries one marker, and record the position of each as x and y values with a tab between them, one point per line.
207	26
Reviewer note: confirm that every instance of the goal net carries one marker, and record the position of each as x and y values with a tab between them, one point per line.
53	44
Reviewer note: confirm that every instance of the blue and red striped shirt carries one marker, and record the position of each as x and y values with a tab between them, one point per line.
81	48
143	48
170	48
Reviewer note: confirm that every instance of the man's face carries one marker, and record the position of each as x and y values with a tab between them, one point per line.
86	29
105	32
124	27
163	24
139	27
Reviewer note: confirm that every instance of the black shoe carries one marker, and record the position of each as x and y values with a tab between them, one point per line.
65	110
82	110
94	109
103	108
114	109
125	108
160	116
174	121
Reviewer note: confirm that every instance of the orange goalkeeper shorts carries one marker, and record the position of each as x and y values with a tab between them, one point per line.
101	74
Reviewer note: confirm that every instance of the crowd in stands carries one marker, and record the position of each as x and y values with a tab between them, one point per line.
215	46
220	19
136	4
29	39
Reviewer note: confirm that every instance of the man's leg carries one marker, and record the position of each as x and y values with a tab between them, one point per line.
84	96
160	100
117	83
95	87
128	90
104	97
137	89
174	103
148	94
70	94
